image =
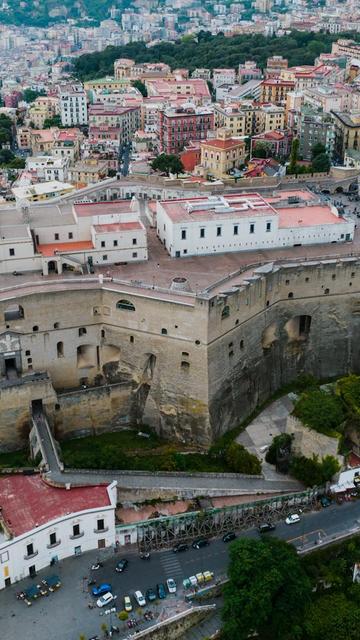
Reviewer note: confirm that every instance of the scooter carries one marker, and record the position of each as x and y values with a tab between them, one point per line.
145	555
91	582
96	566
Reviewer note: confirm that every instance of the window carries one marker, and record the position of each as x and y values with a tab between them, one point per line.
60	349
185	365
134	254
287	281
76	530
56	236
115	243
183	234
252	227
11	252
164	332
29	360
185	354
268	226
225	312
27	352
30	549
290	294
35	328
126	305
102	243
82	331
52	538
70	235
56	325
103	333
132	339
327	291
105	257
236	229
134	241
218	231
100	524
241	344
202	232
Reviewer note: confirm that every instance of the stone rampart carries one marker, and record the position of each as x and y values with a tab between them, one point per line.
308	442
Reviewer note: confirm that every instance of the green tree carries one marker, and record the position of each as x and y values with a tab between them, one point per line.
55	121
167	163
313	472
30	95
294	155
332	617
321	163
317	149
321	411
267	591
241	461
138	84
261	150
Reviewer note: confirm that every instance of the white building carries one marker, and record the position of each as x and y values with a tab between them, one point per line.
78	236
41	524
223	76
48	168
73	105
246	222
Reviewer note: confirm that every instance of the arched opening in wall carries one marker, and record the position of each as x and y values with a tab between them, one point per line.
269	336
339	190
298	328
126	305
60	349
52	268
110	353
225	312
13	312
82	331
86	356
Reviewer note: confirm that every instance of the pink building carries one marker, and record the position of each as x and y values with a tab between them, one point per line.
177	127
11	100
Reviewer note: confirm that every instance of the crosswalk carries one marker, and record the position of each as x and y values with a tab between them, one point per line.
171	566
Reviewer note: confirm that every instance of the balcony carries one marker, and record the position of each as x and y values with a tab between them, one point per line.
104	530
53	545
31	555
78	535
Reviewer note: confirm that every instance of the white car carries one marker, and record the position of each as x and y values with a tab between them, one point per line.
171	585
140	599
105	599
293	518
127	604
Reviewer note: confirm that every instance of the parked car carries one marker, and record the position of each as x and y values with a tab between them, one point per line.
150	595
325	501
180	547
266	526
201	542
161	591
231	535
140	599
171	585
101	589
107	598
293	518
127	604
121	565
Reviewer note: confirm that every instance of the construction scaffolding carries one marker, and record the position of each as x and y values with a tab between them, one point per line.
166	531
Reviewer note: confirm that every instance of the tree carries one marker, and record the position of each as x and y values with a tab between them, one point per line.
313	472
241	461
321	411
294	155
138	84
267	591
167	163
261	150
317	149
55	121
30	95
332	617
321	163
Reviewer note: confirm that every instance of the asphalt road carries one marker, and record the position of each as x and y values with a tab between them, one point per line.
65	614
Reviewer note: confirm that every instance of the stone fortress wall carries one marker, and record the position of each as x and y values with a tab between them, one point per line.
191	366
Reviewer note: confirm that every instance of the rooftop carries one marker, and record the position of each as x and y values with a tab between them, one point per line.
43	502
306	216
52	249
118	227
103	208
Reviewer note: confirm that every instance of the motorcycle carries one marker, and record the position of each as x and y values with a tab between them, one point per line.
91	582
145	555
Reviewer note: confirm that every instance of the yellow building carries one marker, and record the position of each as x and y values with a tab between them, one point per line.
347	132
42	109
247	119
88	172
107	84
222	154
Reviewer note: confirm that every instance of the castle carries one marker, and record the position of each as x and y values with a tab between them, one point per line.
100	354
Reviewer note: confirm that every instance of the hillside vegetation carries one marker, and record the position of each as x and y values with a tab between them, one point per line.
211	52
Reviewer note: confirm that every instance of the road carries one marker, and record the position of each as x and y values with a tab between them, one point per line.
65	614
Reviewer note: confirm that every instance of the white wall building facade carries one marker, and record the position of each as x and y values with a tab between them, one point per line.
73	106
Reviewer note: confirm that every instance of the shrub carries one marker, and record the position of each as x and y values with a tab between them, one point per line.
241	461
283	441
323	412
312	472
123	615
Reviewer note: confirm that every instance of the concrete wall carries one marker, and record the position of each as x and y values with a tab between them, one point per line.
177	626
308	442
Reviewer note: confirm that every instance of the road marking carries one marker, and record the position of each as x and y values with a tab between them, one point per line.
305	535
171	566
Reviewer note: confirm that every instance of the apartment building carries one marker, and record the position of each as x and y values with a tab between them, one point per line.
274	90
125	119
247	118
44	108
221	155
196	90
315	127
347	132
48	168
223	76
177	127
73	105
85	172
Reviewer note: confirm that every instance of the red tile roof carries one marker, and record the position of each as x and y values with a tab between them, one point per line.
230	143
28	502
52	249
